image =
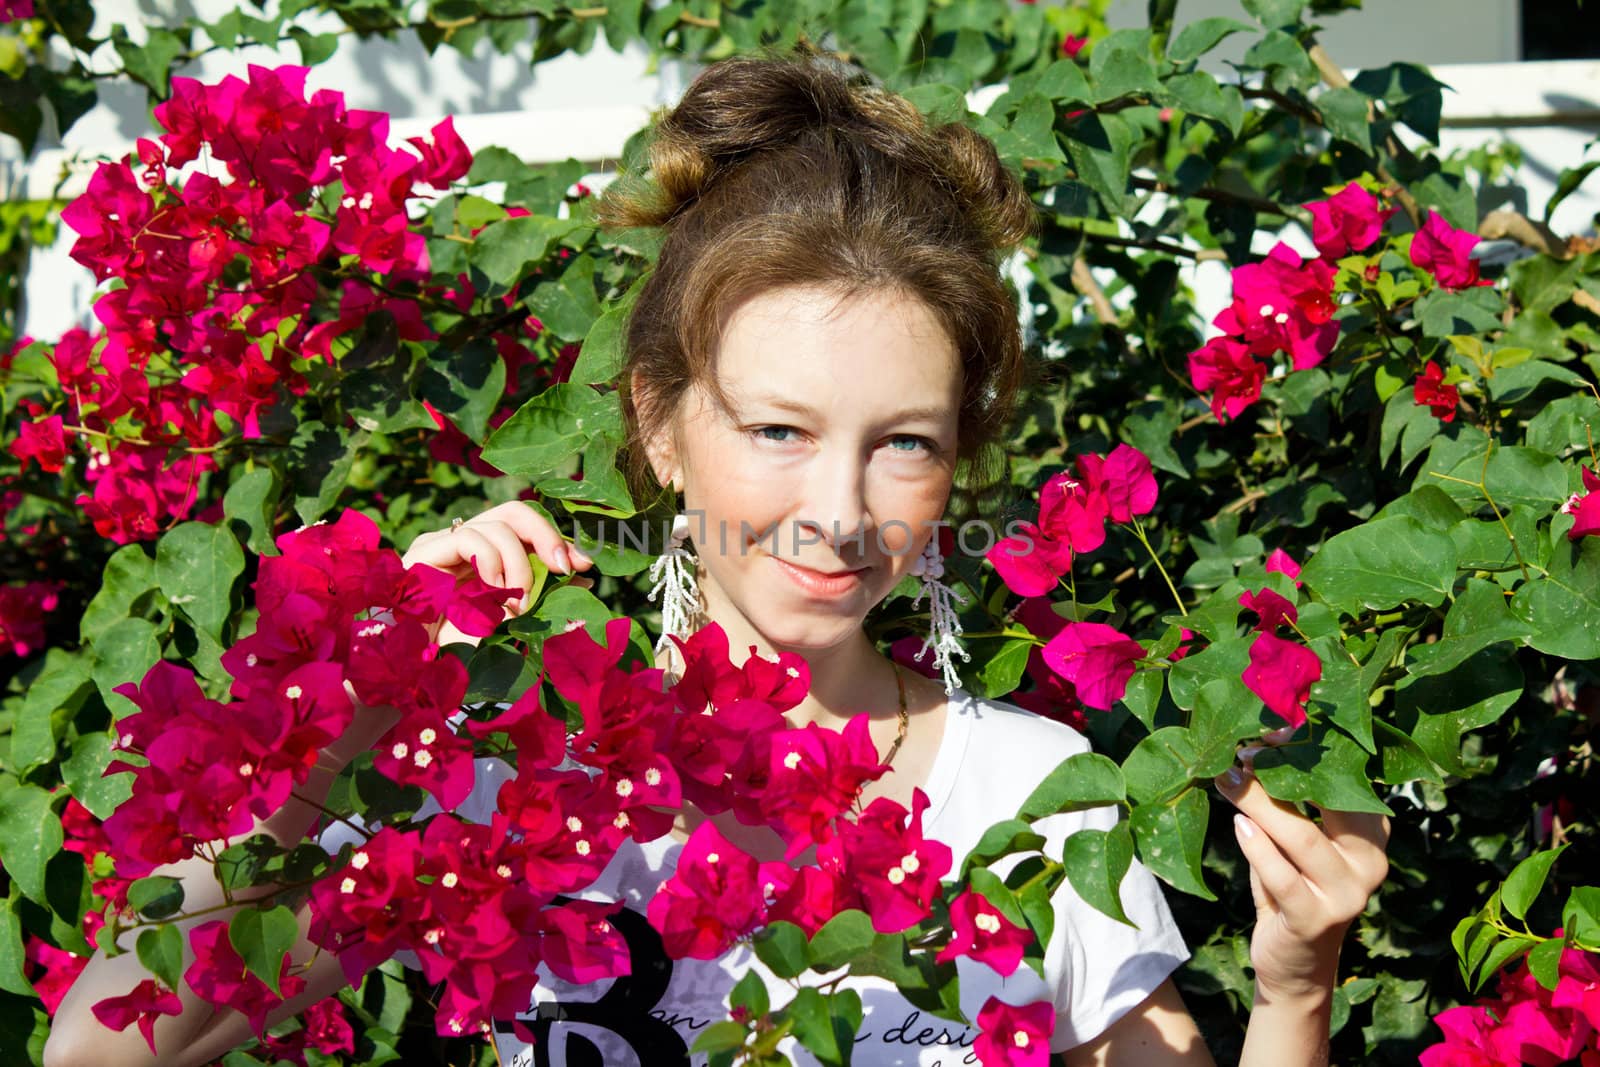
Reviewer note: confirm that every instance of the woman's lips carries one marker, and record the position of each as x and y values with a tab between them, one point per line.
819	584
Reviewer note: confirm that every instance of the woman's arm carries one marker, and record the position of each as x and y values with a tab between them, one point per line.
1309	882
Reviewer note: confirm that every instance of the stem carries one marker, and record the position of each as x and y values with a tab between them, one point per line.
1138	531
330	813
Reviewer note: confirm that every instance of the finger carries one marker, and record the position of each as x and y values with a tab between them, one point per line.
513	554
437	548
1299	839
535	531
1265	905
1363	837
1277	877
471	544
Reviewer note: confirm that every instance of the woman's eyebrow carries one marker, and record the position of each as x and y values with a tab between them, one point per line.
933	412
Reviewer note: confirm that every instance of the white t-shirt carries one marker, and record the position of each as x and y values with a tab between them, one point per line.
991	757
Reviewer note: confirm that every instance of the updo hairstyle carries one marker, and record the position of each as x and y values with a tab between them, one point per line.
777	171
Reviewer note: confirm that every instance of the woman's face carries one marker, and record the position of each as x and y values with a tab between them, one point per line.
838	457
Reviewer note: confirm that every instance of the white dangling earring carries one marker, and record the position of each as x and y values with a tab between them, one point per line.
673	574
944	629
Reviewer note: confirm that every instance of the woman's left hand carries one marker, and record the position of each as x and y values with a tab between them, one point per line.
1309	881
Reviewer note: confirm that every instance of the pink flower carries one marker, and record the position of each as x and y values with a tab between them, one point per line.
11	10
1225	364
22	612
1467	1031
1447	252
807	896
580	944
713	899
1281	673
1283	303
884	855
814	776
326	1028
1032	563
218	975
1124	479
1583	507
981	932
1431	391
1015	1036
1273	609
445	158
142	1004
1348	221
1072	44
1097	659
1281	562
43	442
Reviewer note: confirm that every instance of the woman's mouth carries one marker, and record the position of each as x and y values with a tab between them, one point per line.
820	583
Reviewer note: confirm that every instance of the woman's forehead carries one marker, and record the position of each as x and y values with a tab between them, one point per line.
817	346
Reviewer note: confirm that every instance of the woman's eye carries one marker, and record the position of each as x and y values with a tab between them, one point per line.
761	433
922	443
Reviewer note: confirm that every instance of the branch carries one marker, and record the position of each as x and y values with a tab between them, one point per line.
1255	203
1523	230
1154	244
1083	281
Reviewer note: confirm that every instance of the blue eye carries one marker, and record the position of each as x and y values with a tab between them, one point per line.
924	443
760	431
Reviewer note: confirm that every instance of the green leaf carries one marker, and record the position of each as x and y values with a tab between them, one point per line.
263	937
321	458
1517	383
1001	839
1514	475
315	48
124	653
1086	780
1382	564
1330	771
157	897
843	937
1412	94
826	1024
1581	915
1499	956
1437	709
1096	860
999	665
551	428
1100	148
1120	65
750	993
724	1036
1202	35
129	575
466	385
600	359
1545	961
1402	758
13	959
1522	885
1201	94
1225	713
150	63
1485	544
568	307
1563	606
1033	126
1479	618
1567	184
160	949
30	834
1171	837
1344	112
252	501
39	726
196	566
506	251
1159	765
782	947
1444	313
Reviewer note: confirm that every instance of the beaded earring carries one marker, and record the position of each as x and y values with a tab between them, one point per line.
673	575
944	629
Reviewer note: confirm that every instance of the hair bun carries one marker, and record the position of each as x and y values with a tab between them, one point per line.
992	193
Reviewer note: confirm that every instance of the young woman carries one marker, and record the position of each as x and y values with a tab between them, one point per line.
825	337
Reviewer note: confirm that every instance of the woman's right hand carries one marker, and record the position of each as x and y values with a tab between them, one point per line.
497	545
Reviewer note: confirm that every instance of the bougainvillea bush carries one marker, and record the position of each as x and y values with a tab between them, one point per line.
1356	509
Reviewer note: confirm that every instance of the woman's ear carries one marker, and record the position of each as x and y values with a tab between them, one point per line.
659	447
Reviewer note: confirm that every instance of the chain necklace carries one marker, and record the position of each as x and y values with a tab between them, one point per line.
905	716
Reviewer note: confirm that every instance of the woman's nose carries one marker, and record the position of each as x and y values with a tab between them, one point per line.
835	508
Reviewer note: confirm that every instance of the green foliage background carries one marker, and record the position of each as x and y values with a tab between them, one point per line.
1458	625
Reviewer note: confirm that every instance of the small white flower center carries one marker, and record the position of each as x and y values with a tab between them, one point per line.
449	880
625	787
895	876
792	760
989	924
399	750
582	848
652	777
1020	1039
427	737
293	692
423	758
347	886
360	860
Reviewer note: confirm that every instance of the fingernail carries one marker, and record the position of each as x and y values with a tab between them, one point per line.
1234	777
1249	752
579	554
526	602
1244	826
563	561
1278	736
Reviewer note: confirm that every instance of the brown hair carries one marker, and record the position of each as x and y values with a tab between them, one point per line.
794	170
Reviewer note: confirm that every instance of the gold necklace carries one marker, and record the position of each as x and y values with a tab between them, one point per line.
905	716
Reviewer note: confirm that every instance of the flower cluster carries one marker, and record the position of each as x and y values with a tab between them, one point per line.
235	281
1527	1023
344	625
1073	510
1286	303
1584	508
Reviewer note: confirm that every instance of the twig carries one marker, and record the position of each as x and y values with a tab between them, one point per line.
1083	281
1333	77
